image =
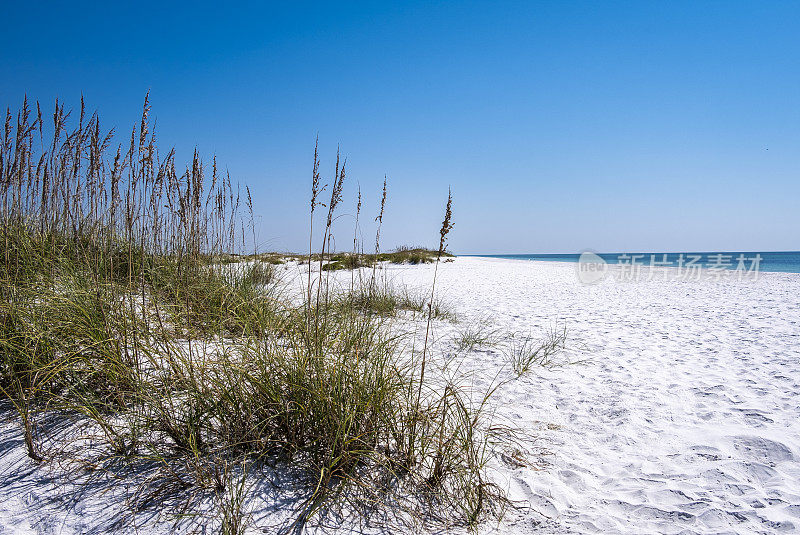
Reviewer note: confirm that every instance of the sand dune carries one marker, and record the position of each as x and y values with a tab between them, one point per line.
674	410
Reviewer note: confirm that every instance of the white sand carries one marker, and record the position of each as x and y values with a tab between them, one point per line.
683	418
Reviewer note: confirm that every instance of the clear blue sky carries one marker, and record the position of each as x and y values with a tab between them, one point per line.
559	125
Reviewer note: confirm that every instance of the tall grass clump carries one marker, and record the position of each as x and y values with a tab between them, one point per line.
380	296
119	303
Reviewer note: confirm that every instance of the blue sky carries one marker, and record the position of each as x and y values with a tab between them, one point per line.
616	126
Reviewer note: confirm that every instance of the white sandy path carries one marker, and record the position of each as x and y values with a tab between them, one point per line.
686	417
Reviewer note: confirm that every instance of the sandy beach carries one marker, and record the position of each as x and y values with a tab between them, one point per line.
682	416
236	299
672	409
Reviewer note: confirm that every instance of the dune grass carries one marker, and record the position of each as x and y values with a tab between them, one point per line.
476	334
124	299
402	255
381	297
525	353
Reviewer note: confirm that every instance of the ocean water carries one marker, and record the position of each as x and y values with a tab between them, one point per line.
764	261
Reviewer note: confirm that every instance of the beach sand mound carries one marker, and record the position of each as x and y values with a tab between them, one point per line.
674	408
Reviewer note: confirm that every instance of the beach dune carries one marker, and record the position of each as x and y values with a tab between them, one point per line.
672	409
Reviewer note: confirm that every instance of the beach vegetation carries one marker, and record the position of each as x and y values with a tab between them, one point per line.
525	352
477	333
128	300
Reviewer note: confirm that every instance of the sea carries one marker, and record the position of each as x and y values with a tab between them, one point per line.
764	261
